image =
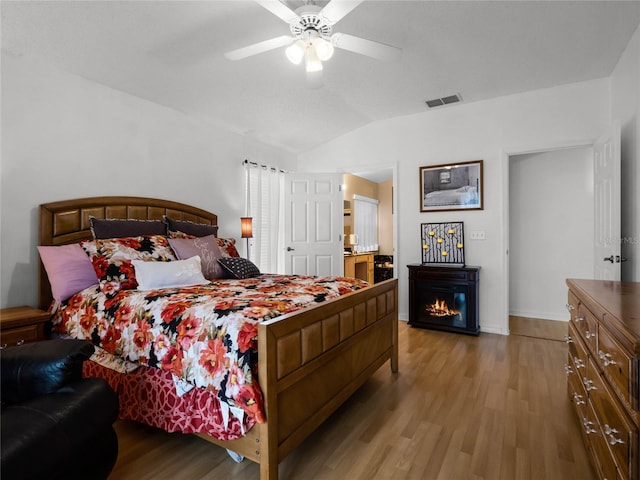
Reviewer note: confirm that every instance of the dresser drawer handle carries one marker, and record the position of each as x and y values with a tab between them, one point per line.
568	370
588	334
578	399
588	384
578	319
568	339
570	307
613	440
606	358
579	363
20	342
587	426
4	345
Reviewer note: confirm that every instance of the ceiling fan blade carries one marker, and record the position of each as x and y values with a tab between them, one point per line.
336	9
369	48
279	9
315	79
259	47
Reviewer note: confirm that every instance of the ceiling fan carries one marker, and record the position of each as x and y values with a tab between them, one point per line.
311	39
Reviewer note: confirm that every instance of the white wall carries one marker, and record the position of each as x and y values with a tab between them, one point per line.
569	115
625	106
66	137
551	227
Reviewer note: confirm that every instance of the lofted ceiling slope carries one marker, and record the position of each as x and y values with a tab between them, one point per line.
171	53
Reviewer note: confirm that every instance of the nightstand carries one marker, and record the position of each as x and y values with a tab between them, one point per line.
20	325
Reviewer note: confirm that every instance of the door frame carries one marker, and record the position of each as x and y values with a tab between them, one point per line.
394	201
505	201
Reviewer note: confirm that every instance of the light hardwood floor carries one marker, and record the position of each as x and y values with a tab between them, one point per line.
461	407
535	327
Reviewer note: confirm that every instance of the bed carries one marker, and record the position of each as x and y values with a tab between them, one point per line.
465	195
309	361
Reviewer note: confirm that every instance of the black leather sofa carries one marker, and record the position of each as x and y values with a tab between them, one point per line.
55	424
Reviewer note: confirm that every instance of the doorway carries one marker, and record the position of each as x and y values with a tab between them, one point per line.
384	180
551	231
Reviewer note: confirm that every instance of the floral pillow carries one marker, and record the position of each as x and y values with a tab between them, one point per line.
111	259
228	247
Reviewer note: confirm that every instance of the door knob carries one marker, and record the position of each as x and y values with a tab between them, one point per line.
289	249
608	259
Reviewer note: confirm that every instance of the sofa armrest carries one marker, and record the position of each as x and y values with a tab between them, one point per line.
41	368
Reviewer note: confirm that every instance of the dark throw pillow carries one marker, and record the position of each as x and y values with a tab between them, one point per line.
239	267
190	228
103	228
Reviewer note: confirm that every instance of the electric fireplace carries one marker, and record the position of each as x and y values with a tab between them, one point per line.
444	298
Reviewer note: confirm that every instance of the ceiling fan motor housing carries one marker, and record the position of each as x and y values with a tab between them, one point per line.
310	19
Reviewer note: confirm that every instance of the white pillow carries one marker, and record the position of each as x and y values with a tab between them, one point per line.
178	273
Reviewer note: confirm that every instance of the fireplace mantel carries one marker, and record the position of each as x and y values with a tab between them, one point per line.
444	298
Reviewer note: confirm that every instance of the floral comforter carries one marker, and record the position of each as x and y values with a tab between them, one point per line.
205	335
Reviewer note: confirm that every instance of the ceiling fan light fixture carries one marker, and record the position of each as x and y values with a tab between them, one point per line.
323	48
296	52
312	62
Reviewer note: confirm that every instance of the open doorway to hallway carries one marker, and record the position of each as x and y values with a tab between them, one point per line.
551	231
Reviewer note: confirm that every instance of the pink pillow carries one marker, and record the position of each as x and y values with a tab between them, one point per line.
69	269
204	247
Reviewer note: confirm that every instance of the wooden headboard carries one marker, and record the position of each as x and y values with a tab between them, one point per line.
67	222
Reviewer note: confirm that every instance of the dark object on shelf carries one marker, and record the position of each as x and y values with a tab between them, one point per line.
382	268
55	424
444	298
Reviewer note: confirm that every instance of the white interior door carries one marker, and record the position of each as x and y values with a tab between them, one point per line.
606	153
313	224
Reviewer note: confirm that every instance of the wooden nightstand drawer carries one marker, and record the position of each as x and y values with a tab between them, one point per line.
21	325
20	335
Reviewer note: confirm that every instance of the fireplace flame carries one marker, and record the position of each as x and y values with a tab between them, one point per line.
439	308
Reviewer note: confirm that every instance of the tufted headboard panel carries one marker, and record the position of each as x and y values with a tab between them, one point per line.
67	222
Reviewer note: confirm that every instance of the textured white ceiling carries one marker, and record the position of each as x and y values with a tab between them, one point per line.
171	52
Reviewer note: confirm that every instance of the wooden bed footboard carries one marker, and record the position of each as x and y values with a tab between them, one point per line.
310	362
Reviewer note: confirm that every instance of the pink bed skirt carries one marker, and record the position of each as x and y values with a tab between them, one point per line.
148	395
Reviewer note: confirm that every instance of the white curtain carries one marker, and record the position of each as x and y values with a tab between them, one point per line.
365	220
265	204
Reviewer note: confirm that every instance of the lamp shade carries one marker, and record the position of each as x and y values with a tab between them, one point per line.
246	224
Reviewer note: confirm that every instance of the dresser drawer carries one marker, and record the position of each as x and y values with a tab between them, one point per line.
577	352
619	432
20	335
587	325
577	393
597	442
616	364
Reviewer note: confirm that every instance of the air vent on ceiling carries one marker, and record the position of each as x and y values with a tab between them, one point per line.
437	102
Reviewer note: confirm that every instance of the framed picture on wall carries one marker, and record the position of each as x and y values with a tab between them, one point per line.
454	186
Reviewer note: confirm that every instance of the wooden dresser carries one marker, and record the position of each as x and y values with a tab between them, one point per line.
603	372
